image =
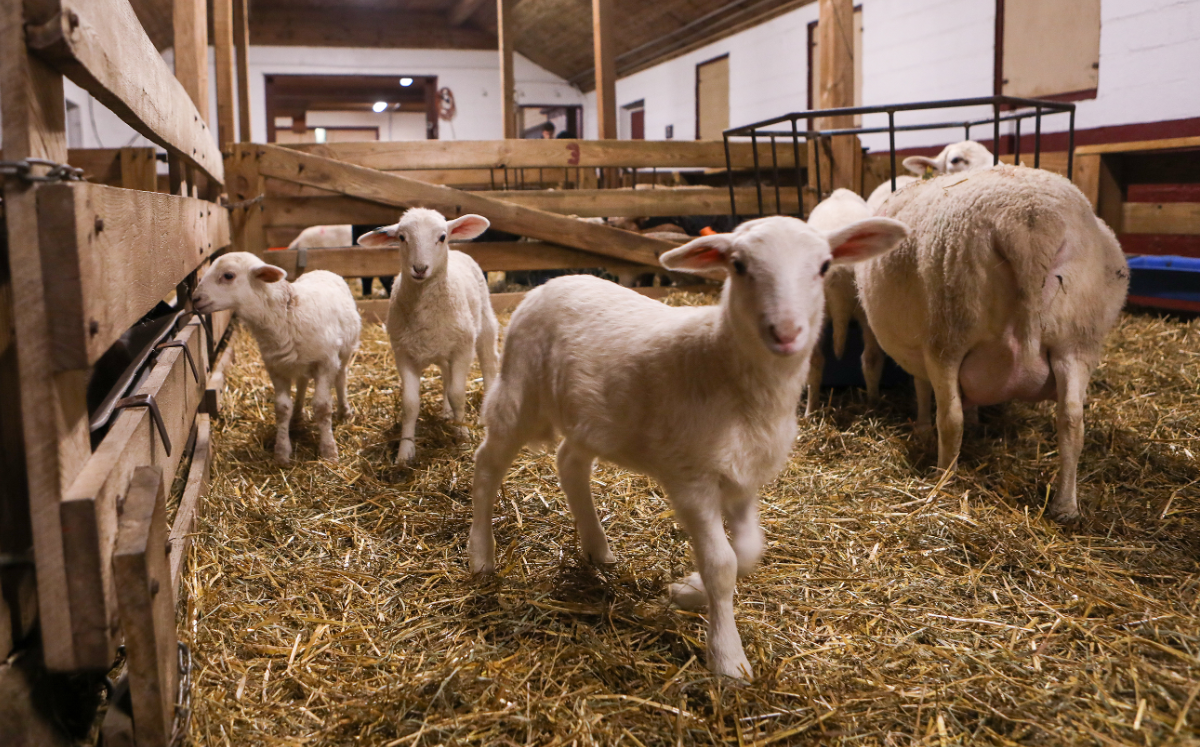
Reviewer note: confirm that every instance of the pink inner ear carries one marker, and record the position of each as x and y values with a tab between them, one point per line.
471	226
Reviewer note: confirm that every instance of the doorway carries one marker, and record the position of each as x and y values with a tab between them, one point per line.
712	98
565	121
366	107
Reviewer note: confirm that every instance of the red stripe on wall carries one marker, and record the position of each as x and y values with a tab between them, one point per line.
1179	245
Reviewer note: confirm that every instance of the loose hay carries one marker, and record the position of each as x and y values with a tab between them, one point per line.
331	604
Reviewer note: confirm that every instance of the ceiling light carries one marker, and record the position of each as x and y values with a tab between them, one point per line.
406	82
379	106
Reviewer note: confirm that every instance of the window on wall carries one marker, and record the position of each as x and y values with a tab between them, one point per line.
712	98
814	63
1048	49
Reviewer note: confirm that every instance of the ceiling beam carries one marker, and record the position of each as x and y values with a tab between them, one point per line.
357	26
462	10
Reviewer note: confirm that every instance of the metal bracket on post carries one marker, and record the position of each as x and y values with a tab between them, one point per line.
301	260
186	352
147	401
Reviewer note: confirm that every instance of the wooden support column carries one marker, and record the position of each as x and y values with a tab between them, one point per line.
245	182
53	409
241	40
606	69
190	18
835	45
508	93
223	45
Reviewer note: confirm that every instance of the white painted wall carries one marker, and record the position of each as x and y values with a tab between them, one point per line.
917	50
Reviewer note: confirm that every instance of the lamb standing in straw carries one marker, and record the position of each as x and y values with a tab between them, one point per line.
306	330
702	399
440	313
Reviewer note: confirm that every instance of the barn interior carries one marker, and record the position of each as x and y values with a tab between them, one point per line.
163	582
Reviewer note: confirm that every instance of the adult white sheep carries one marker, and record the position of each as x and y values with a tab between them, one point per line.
966	155
1005	290
440	313
839	210
306	330
701	399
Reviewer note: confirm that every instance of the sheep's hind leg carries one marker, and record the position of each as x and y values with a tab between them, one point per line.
345	412
298	402
1071	377
816	371
943	378
492	461
322	407
872	363
575	477
283	419
717	563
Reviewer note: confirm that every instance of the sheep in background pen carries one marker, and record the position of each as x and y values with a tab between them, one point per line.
440	313
1005	290
701	399
839	210
306	330
337	236
967	155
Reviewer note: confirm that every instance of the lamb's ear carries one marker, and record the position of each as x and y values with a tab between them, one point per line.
466	228
700	256
268	273
921	164
384	236
865	239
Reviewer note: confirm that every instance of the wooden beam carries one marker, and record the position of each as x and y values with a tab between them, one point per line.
835	31
53	410
550	154
223	47
1179	218
190	18
389	189
313	25
241	41
508	95
462	10
147	608
216	379
89	510
246	187
606	68
100	46
1087	176
1111	194
116	253
194	492
491	256
302	212
1140	146
139	169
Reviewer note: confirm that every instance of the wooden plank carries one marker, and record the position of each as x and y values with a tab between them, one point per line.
194	492
223	47
100	45
491	256
302	212
390	189
245	185
147	608
89	510
53	411
1140	146
462	10
1087	176
605	55
1163	218
139	169
190	19
1111	196
216	383
508	94
496	154
241	40
116	253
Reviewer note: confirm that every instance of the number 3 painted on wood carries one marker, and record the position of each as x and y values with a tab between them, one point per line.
573	149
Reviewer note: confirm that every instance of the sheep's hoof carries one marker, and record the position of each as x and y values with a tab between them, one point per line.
688	593
345	414
1066	515
407	452
283	460
736	667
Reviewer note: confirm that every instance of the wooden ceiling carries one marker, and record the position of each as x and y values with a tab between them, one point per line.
556	34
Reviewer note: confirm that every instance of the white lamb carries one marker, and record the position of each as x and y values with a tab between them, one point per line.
440	313
839	210
323	237
306	330
701	399
1005	290
966	155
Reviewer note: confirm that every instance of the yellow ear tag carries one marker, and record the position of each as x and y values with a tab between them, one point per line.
928	173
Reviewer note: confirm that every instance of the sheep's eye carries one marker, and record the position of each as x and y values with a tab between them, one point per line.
401	237
825	267
228	276
442	237
956	160
739	267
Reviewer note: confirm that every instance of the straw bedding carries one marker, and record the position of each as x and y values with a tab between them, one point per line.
331	604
